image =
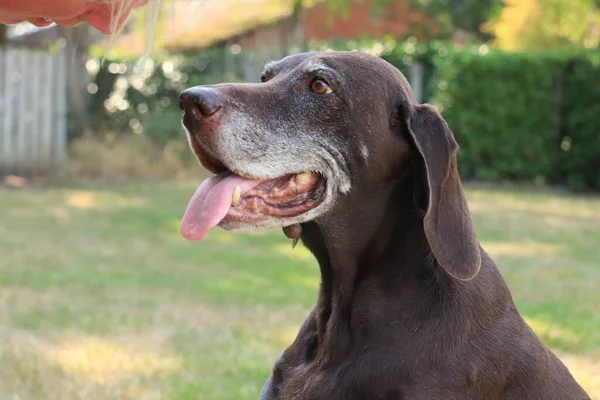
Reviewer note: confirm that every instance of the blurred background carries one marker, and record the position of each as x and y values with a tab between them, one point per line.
101	298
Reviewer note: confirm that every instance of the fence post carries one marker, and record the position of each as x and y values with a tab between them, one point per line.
249	60
61	113
2	107
35	105
416	81
7	123
46	112
20	103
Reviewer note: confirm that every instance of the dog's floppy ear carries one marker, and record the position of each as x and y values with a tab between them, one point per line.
448	225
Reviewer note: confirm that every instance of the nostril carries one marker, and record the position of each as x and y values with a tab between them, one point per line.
207	107
186	101
200	102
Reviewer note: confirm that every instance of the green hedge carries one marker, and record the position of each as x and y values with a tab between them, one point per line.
502	109
531	117
579	162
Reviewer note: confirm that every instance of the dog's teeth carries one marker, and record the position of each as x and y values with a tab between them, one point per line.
235	198
304	178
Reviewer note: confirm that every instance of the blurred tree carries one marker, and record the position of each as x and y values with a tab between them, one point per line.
337	7
296	40
547	24
468	16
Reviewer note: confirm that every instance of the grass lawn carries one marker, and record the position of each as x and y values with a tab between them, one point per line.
100	297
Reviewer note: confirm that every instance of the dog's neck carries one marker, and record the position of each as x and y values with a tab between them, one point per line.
352	244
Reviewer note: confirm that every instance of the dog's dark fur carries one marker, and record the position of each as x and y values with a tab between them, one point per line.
410	306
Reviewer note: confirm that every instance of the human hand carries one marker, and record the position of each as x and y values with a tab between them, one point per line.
107	16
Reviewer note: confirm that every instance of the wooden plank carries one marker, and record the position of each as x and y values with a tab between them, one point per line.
60	138
2	100
2	106
35	107
22	161
45	153
7	123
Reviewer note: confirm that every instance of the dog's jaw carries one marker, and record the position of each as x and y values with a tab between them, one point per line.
229	144
267	223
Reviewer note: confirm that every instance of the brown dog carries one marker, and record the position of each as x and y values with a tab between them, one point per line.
333	147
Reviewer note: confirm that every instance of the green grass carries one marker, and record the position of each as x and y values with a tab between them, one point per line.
101	298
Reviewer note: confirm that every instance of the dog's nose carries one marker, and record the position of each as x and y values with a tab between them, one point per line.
201	102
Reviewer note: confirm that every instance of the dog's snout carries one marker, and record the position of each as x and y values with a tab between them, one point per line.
201	102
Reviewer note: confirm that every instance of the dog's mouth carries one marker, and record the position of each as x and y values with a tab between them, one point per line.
233	199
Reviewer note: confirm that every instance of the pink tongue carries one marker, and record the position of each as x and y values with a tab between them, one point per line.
211	203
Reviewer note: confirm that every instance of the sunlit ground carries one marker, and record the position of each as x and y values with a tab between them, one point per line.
100	297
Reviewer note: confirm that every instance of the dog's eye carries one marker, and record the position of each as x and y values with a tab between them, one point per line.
320	87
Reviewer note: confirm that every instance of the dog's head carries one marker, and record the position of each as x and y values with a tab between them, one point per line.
319	126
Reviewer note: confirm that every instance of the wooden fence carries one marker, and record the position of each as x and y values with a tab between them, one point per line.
32	112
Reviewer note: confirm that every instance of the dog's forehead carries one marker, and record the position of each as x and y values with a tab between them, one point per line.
355	70
341	62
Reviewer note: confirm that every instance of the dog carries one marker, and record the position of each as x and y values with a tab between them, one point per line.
333	148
